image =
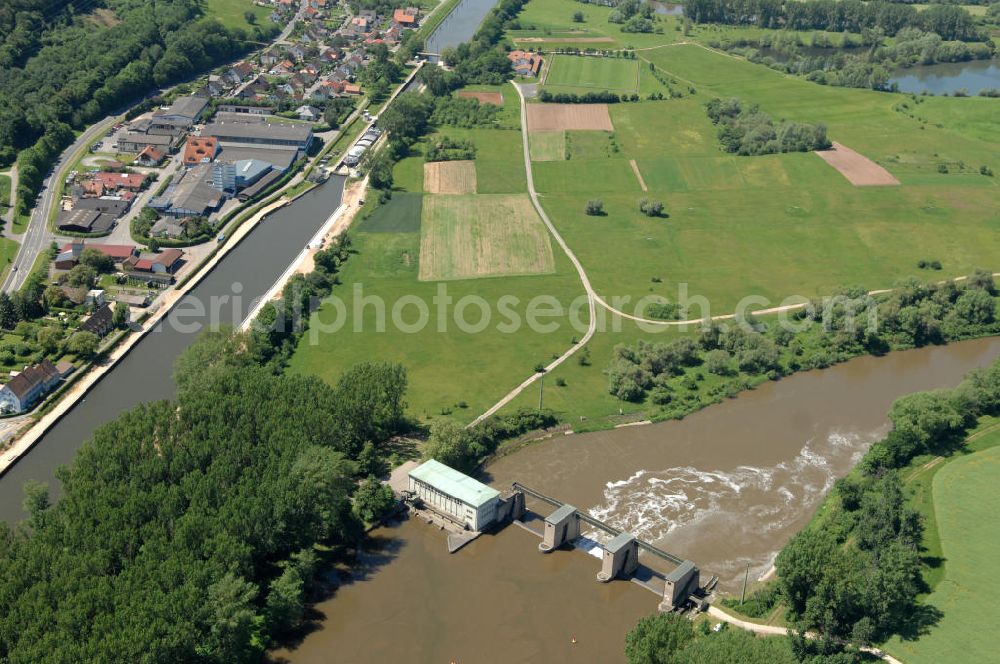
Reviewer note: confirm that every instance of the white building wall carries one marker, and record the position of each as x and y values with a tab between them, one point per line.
460	511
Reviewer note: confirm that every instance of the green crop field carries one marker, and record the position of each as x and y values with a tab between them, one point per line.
599	73
472	236
231	13
400	214
965	489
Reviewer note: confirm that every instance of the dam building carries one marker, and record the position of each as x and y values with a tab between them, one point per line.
457	496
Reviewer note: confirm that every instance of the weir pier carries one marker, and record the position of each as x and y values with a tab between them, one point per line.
619	556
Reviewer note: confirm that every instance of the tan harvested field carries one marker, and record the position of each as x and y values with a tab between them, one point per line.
494	98
450	177
565	40
485	235
857	168
554	117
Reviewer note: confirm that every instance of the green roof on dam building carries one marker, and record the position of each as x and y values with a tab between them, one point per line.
454	483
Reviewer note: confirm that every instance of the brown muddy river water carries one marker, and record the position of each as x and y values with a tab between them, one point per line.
724	487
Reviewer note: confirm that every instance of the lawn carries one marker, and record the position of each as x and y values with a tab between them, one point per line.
467	237
964	490
599	73
231	13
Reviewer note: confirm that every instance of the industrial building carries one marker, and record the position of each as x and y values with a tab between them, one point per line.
288	134
454	494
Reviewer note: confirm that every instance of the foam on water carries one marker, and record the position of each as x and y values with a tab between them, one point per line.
744	501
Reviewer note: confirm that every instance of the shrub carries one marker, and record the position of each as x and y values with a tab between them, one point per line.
594	207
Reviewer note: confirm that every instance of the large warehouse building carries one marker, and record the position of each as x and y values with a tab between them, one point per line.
454	494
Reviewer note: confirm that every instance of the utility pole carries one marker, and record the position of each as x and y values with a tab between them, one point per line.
745	578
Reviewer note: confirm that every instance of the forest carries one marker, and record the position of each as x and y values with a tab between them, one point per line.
951	22
62	72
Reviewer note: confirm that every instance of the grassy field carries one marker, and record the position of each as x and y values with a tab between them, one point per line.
231	13
956	497
467	237
576	71
547	145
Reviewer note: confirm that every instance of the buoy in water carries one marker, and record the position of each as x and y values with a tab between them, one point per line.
573	640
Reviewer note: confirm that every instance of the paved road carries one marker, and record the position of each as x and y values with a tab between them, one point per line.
38	236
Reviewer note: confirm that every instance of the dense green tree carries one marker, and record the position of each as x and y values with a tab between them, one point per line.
83	344
658	639
373	500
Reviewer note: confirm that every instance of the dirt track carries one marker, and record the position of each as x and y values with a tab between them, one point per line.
556	117
857	168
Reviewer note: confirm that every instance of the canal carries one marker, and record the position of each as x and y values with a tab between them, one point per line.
724	487
244	274
460	25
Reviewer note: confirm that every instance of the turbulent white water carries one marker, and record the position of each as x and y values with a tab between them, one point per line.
676	506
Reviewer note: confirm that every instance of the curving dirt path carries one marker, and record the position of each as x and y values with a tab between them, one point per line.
774	630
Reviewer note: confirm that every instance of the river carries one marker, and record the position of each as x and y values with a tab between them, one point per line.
949	77
726	486
244	274
459	26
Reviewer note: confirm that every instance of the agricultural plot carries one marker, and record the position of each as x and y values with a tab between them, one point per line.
467	237
450	177
591	144
400	214
547	145
857	168
556	117
494	98
599	73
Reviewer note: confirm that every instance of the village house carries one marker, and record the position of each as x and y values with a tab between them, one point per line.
525	63
100	322
25	389
69	255
309	113
149	157
164	263
116	181
406	17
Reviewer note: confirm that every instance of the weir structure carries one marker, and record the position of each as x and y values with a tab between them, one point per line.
620	556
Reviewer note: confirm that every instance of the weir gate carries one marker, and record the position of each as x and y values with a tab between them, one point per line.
619	556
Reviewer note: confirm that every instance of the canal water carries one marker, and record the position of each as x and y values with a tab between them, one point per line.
460	25
246	273
724	487
949	77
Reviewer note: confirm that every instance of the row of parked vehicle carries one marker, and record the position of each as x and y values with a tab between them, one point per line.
354	155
